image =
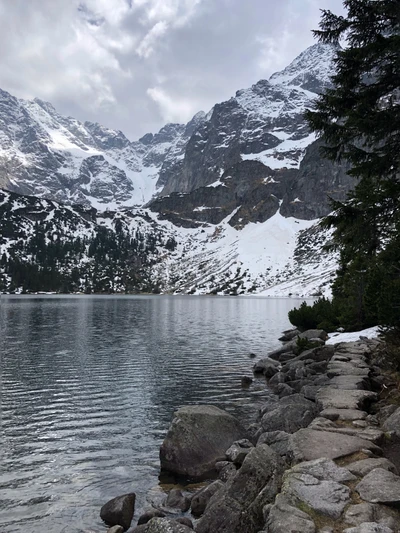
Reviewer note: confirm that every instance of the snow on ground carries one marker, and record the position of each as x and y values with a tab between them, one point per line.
370	333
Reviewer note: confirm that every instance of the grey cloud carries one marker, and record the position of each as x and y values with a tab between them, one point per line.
135	64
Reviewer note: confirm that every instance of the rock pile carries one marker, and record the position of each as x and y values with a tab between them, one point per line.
313	464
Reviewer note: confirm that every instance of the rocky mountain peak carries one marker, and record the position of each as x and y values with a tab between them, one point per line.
311	70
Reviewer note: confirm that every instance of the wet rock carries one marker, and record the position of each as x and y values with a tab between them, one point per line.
364	467
237	507
289	335
266	366
176	500
308	444
238	451
380	486
286	518
119	511
198	437
203	496
246	381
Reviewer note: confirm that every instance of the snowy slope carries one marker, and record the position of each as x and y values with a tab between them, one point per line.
279	257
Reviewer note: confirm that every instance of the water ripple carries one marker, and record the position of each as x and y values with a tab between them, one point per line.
89	385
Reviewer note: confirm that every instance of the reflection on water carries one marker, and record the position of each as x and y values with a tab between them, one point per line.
89	385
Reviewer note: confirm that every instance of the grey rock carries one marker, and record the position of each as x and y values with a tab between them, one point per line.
139	529
283	390
115	529
289	335
310	391
314	334
385	411
308	444
148	515
119	511
326	497
238	451
276	379
203	496
238	506
166	525
380	486
324	470
284	517
246	381
343	414
185	521
356	515
266	366
227	472
198	437
369	527
292	413
392	423
364	467
344	399
176	500
277	440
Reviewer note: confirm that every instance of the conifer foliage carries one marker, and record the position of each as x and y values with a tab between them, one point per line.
359	120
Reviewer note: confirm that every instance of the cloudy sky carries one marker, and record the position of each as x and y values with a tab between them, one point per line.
136	64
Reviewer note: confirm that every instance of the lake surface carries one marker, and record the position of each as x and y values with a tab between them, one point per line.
89	386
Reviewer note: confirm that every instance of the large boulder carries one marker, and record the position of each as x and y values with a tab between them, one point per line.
238	506
198	437
119	511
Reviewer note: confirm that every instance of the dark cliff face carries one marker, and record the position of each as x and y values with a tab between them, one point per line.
256	192
247	192
318	180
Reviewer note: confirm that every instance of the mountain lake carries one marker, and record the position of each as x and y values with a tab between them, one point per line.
89	384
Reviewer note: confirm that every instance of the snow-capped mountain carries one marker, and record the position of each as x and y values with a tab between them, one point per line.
48	155
227	204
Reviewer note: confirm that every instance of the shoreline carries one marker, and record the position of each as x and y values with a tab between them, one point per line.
323	433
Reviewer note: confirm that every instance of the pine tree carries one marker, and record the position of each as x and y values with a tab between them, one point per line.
359	120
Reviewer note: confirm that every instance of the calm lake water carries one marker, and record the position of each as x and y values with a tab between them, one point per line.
89	386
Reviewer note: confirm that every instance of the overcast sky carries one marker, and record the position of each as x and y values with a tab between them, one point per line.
134	65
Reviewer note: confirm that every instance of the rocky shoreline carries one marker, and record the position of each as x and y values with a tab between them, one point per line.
312	463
